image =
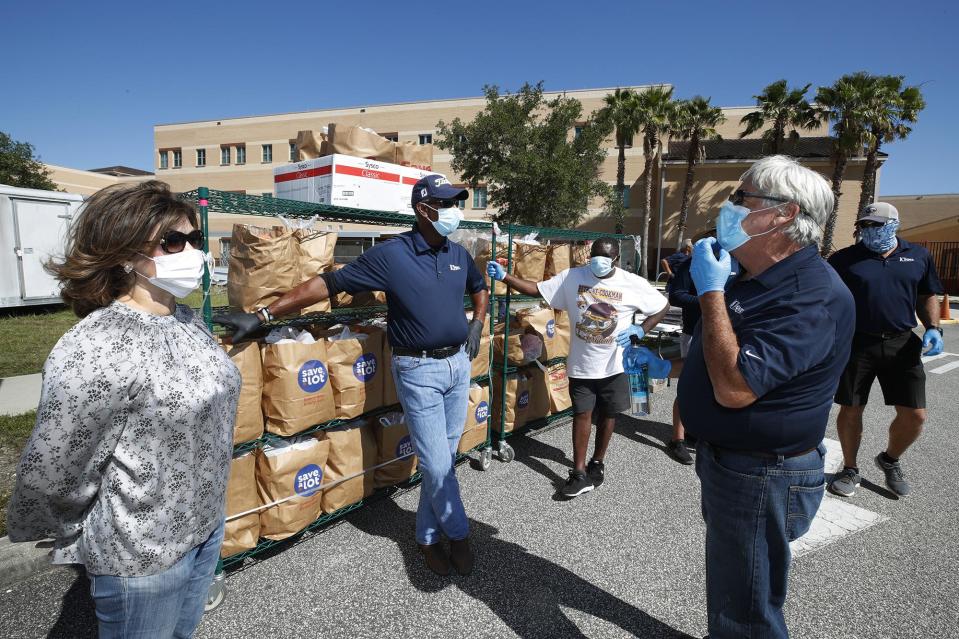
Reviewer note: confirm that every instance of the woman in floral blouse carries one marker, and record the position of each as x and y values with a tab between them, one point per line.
127	465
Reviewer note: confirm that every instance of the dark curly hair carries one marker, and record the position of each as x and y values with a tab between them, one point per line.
114	225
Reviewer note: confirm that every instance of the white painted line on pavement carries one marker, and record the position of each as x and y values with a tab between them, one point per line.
945	369
836	517
932	358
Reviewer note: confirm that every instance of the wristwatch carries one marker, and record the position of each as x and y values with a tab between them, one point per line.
264	313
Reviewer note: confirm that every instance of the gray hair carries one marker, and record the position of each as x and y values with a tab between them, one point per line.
687	243
784	177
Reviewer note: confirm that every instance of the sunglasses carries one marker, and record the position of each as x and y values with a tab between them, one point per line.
175	241
443	204
869	224
739	196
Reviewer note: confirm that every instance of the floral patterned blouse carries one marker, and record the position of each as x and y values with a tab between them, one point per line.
127	465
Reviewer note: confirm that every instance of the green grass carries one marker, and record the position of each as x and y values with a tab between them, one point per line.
14	432
27	336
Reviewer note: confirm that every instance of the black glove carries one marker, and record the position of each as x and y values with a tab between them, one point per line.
242	323
473	339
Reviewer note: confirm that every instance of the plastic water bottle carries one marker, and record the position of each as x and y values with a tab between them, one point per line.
638	383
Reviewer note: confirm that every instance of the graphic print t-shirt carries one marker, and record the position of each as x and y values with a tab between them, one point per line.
598	310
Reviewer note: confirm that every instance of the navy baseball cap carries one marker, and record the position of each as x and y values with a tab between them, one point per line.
436	187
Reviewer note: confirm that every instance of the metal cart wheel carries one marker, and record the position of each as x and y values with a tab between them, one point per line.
486	458
217	592
506	453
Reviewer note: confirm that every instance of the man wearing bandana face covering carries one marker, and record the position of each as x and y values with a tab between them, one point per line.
892	281
424	276
757	387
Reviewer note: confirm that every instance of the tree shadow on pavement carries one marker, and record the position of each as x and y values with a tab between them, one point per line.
533	453
645	431
77	615
527	592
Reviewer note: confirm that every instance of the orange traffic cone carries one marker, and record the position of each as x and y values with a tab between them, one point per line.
944	308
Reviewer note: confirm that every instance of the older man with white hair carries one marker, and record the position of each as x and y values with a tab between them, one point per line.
757	386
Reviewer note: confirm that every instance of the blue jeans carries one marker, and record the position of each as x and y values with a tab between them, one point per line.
753	508
167	604
434	394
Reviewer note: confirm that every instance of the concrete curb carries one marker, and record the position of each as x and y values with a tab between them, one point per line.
20	394
20	561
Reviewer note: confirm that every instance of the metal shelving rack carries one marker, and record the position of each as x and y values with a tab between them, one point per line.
208	200
504	451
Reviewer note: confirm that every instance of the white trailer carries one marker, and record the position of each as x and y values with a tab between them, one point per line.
33	227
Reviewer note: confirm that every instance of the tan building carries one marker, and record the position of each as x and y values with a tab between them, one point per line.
927	218
89	182
239	154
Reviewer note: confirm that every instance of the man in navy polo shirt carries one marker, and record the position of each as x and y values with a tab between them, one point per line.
757	386
892	281
424	276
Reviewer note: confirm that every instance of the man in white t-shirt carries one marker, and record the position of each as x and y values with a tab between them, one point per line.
601	300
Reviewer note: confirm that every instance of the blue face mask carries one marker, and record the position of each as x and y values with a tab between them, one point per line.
729	226
879	239
447	220
601	266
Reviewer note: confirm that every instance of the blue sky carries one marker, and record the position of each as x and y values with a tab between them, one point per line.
86	82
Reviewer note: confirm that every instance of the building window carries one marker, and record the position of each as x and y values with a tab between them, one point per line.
426	138
241	154
201	157
177	158
164	159
479	197
625	197
577	131
224	155
392	137
292	151
267	152
461	204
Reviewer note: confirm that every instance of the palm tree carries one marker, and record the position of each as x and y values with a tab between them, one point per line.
696	121
657	114
843	104
890	111
621	109
782	108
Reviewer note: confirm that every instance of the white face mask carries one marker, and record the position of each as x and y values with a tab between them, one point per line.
179	273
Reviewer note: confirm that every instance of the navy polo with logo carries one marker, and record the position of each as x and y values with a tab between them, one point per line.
424	288
794	323
886	288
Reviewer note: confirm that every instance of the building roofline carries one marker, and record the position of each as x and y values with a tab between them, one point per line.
921	195
407	103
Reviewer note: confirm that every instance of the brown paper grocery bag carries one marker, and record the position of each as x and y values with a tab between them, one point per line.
477	414
264	264
484	254
580	254
529	260
295	470
419	156
297	393
393	442
389	385
314	256
356	371
538	393
514	349
558	385
249	413
480	363
365	298
241	495
542	322
310	145
358	142
517	402
558	258
560	341
352	451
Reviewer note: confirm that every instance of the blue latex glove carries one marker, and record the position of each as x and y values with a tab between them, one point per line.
932	338
496	271
657	366
622	338
709	272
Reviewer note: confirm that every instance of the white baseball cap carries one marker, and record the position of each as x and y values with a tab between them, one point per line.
878	212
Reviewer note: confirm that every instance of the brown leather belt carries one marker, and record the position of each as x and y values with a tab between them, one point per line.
761	454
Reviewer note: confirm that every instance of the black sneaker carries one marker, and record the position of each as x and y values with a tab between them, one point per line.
677	448
895	478
596	471
577	484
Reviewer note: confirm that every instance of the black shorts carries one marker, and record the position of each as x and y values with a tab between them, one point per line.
897	362
609	394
